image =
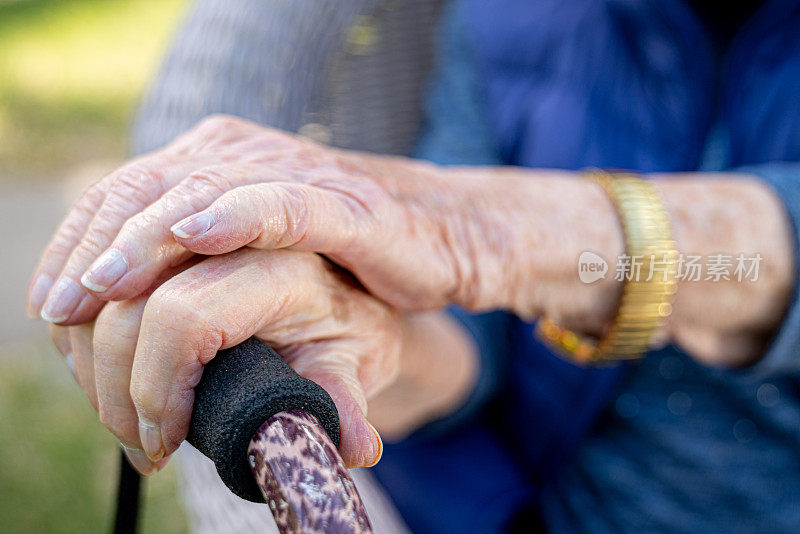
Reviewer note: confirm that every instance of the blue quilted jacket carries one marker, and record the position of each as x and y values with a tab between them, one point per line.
643	85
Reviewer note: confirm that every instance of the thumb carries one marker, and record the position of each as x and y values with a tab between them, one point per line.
269	216
359	443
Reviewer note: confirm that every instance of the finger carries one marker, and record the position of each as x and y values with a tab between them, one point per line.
65	239
92	224
279	215
217	304
130	189
335	368
139	460
60	337
145	245
81	340
115	335
116	331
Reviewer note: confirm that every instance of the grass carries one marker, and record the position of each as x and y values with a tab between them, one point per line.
71	72
58	465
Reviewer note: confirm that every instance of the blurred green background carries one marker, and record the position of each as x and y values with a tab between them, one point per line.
71	72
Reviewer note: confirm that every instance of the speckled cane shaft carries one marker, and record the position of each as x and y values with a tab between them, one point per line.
302	477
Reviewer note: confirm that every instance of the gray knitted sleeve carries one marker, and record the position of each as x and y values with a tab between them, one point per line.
347	72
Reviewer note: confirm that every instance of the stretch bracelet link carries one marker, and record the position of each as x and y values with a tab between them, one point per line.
648	292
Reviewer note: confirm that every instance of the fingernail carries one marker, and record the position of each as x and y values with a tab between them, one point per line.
193	225
139	460
63	299
70	361
150	435
39	290
105	271
380	445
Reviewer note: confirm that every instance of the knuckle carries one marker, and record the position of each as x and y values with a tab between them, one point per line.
237	199
295	204
111	325
178	315
93	243
144	222
281	144
63	242
173	310
218	120
211	182
238	203
91	199
219	125
138	183
220	133
293	209
69	233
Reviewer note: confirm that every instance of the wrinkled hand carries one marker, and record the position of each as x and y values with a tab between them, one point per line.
140	360
230	183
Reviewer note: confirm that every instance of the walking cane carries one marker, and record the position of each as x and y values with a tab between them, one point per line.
273	437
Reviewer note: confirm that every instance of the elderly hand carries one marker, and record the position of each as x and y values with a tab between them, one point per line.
262	188
415	235
140	360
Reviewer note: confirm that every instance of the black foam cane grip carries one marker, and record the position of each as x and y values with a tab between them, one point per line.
240	389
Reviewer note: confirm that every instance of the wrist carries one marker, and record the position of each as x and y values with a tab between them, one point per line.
533	227
580	222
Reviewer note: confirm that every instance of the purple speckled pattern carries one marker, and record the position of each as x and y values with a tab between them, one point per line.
302	477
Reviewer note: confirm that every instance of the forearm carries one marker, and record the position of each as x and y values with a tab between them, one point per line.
438	369
520	233
507	230
535	224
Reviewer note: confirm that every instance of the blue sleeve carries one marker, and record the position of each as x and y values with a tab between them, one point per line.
783	355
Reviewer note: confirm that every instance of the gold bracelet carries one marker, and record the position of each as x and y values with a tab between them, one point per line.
649	274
